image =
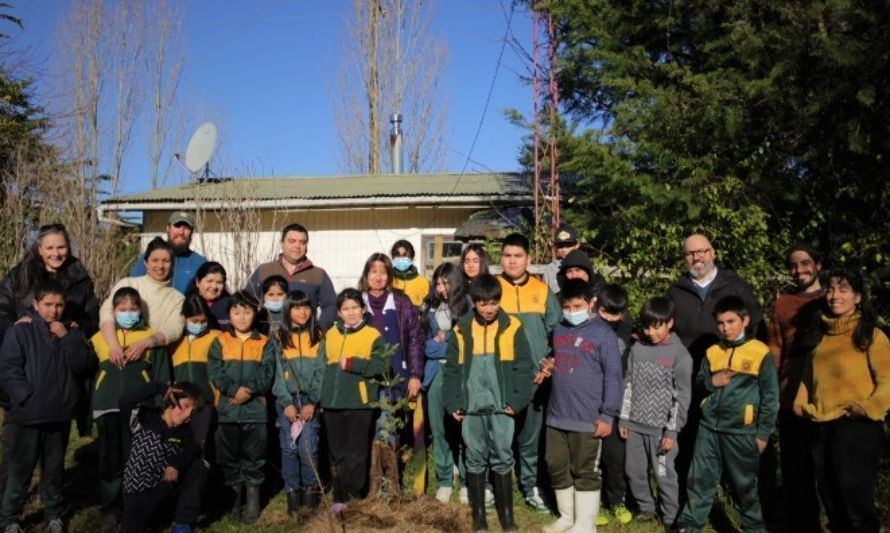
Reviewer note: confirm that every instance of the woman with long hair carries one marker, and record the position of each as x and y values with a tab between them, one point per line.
210	284
443	308
473	262
845	392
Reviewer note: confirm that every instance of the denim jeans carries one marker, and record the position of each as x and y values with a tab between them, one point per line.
299	460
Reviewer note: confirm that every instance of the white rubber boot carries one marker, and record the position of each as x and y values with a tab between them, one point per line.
587	506
565	504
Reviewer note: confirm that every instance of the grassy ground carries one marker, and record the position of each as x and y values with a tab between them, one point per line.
81	494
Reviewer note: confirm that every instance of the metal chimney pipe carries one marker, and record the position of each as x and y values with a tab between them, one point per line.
395	142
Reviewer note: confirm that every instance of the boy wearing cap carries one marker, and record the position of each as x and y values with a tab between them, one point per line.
565	240
187	262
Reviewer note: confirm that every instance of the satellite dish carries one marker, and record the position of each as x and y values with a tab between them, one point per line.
200	149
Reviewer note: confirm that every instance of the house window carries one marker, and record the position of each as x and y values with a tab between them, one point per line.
439	248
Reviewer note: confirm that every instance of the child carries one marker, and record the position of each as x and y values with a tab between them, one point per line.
584	401
353	357
297	387
274	291
528	299
738	415
407	278
488	378
611	306
113	381
444	307
242	367
162	450
190	357
657	389
39	365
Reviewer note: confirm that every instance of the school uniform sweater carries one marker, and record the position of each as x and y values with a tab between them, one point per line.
586	381
112	382
234	363
415	286
161	306
190	356
531	301
354	387
839	374
749	404
298	369
657	388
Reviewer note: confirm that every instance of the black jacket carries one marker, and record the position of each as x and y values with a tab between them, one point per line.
41	372
694	321
81	304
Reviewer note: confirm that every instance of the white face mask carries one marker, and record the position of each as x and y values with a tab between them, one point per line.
577	317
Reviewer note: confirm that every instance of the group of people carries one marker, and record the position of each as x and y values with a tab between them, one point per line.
550	380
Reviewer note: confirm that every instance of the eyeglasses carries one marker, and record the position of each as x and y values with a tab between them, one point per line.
693	253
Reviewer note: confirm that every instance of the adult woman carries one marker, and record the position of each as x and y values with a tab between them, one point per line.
845	391
50	258
210	285
162	303
394	316
473	262
444	306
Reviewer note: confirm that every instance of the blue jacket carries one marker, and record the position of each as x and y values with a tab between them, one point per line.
185	267
434	350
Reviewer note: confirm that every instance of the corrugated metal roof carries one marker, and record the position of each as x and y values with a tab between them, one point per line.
337	187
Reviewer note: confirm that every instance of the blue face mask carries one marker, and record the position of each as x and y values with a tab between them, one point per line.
274	306
576	318
126	319
195	329
402	263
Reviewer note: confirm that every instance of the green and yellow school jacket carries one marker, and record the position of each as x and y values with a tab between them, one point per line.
749	404
536	307
190	357
504	338
353	388
235	363
415	286
298	370
112	382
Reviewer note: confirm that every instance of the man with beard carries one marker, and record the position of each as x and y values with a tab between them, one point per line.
186	261
694	294
794	312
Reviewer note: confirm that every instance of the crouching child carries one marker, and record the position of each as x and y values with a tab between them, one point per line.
39	361
488	378
584	401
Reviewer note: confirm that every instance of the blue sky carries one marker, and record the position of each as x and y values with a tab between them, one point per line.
259	68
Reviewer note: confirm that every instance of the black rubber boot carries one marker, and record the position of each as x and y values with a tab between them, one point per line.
310	497
251	505
235	513
294	501
503	500
476	494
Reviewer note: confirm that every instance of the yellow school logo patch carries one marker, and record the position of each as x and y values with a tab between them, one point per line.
747	364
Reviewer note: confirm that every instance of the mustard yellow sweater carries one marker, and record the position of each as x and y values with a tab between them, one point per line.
838	374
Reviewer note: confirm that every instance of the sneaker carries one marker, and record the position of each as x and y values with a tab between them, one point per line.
533	499
463	496
13	528
489	500
180	528
443	494
602	518
338	507
621	514
56	526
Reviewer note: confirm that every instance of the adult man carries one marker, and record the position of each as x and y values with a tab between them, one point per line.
565	242
186	262
293	265
793	312
694	294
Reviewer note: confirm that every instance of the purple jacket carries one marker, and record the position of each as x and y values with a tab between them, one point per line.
411	338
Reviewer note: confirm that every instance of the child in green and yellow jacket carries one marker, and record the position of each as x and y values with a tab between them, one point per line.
112	381
738	416
242	367
488	379
353	357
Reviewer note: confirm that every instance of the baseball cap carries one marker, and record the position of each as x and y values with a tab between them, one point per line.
180	217
566	234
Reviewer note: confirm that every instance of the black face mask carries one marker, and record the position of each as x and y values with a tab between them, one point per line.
613	324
